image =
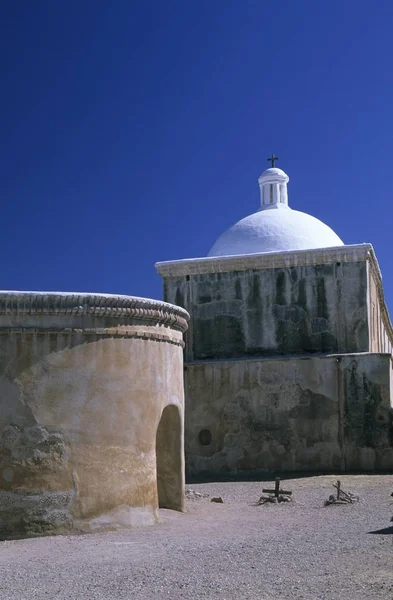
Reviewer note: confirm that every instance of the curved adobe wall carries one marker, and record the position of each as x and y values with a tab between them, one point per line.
91	385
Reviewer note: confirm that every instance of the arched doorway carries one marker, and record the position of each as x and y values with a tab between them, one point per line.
170	461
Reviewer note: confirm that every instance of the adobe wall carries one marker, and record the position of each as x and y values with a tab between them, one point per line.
326	414
321	308
85	381
273	304
381	331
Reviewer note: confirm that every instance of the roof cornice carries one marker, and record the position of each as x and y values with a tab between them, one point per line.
126	308
270	260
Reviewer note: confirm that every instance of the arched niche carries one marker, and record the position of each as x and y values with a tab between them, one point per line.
169	456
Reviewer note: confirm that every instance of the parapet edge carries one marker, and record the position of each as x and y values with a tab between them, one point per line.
270	260
96	305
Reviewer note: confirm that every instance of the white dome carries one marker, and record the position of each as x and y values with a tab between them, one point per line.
273	174
275	227
275	230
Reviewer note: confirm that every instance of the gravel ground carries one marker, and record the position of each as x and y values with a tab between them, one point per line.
234	550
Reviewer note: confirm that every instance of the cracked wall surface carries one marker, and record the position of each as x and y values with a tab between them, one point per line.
328	414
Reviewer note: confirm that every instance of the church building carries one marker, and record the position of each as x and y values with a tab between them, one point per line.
288	357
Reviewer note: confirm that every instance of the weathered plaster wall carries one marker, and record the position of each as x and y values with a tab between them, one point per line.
247	408
80	407
298	309
299	414
381	334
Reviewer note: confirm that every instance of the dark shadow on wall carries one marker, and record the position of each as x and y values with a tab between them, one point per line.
264	476
170	483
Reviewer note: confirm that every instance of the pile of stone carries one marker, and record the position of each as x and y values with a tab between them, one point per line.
273	499
341	497
193	495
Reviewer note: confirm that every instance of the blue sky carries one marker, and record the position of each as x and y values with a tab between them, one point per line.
135	131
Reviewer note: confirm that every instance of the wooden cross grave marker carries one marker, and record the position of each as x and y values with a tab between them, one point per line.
277	492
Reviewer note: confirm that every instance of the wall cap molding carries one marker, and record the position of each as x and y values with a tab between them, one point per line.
122	332
127	308
270	260
282	358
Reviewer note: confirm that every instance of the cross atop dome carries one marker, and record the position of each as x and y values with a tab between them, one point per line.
273	159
